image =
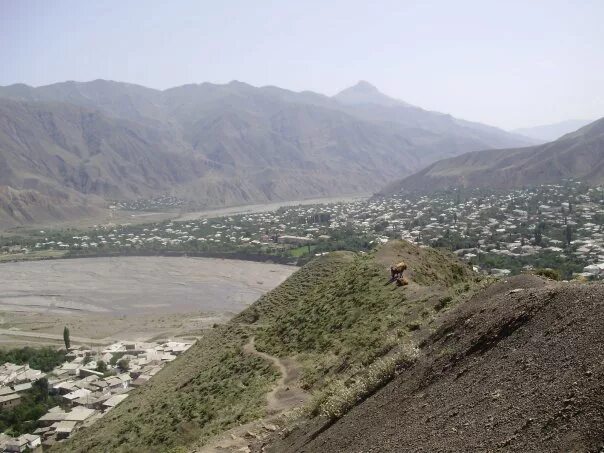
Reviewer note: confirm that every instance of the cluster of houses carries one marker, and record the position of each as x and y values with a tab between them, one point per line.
24	443
14	380
161	203
568	216
91	383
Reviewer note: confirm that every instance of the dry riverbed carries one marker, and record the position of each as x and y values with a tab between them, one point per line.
136	298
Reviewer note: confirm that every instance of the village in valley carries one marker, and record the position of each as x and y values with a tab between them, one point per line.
498	232
83	388
557	228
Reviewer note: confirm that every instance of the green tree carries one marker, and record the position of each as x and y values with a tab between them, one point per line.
538	236
101	366
123	364
569	234
44	359
66	338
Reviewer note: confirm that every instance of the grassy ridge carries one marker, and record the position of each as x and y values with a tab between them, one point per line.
335	316
211	388
349	319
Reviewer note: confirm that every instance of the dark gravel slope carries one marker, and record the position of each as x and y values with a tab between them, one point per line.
520	367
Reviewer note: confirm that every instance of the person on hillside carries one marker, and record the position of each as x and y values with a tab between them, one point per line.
397	270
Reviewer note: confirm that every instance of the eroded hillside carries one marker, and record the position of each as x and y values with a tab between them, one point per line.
335	360
517	368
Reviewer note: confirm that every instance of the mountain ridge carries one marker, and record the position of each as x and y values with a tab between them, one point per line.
577	155
216	144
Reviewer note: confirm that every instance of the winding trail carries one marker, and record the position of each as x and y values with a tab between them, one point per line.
286	394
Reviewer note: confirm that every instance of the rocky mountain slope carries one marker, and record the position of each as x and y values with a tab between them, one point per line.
579	155
60	161
516	368
365	101
218	144
19	207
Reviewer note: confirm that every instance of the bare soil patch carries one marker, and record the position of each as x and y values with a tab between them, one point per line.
520	367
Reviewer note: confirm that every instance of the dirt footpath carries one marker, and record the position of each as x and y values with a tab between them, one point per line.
285	396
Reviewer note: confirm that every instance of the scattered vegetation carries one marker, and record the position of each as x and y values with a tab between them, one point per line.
549	273
341	395
44	359
34	403
347	328
565	265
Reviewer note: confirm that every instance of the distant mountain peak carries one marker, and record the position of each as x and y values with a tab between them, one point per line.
238	83
364	86
365	93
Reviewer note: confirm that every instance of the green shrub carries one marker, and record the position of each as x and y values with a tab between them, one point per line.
552	274
123	364
34	403
442	303
340	396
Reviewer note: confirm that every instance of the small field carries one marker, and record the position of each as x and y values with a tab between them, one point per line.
302	250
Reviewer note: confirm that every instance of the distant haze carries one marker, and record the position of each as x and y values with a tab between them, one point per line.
550	132
510	64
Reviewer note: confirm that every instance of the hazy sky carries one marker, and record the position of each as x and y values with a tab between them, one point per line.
511	63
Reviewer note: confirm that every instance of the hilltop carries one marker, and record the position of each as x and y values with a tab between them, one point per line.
577	155
217	145
332	322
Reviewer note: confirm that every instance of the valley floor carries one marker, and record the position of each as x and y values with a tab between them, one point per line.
126	298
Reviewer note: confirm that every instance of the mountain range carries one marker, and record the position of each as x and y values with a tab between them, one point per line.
66	148
578	155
